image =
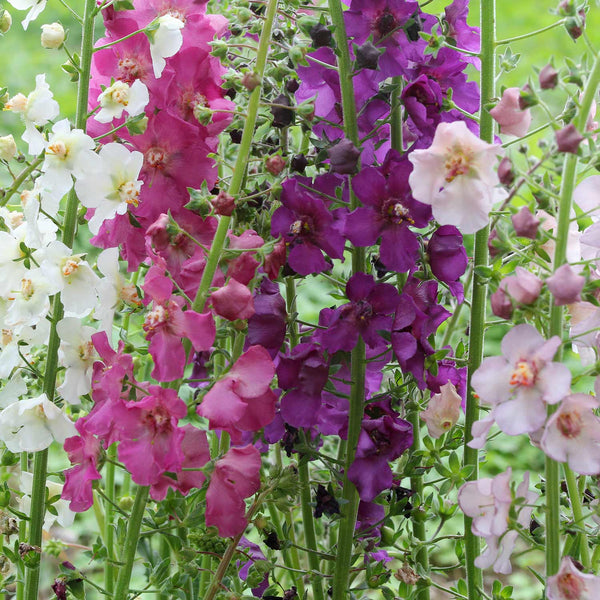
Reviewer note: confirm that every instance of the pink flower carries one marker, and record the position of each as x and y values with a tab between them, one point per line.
233	301
456	175
488	502
443	411
236	476
520	383
243	399
196	454
571	584
572	434
508	114
565	285
151	440
167	324
83	451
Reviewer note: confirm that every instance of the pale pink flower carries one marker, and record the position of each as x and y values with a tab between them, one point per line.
443	411
572	434
488	502
520	383
456	175
508	114
571	584
565	285
585	330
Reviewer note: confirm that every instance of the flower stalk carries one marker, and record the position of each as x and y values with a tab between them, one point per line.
479	289
38	491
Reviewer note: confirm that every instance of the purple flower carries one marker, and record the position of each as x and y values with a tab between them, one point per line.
307	225
422	100
387	212
459	32
448	258
368	312
303	373
383	438
266	327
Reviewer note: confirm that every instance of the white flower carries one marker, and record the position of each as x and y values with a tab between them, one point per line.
35	8
30	301
121	97
8	147
64	516
32	424
15	341
165	40
68	153
37	109
13	390
456	175
113	289
73	277
112	186
77	355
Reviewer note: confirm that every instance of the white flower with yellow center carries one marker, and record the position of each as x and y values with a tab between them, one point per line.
121	97
37	109
113	185
77	355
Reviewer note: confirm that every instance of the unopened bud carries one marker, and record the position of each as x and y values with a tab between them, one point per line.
367	56
568	139
527	97
8	148
548	77
53	35
275	164
250	81
320	35
344	157
223	203
5	21
506	175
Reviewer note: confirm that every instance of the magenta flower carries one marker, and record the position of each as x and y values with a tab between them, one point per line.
236	476
242	400
84	452
167	324
233	301
196	454
150	439
520	383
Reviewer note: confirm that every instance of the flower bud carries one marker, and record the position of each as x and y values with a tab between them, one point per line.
5	21
53	35
292	85
548	77
8	148
367	56
506	175
344	157
275	164
568	139
320	35
525	223
282	116
223	204
299	163
527	97
565	285
250	80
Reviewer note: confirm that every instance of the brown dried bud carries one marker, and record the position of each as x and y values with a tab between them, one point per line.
407	575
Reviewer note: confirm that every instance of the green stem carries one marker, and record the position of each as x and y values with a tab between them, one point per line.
241	162
556	321
20	178
578	517
131	542
416	484
309	530
350	499
109	511
38	492
396	123
479	290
